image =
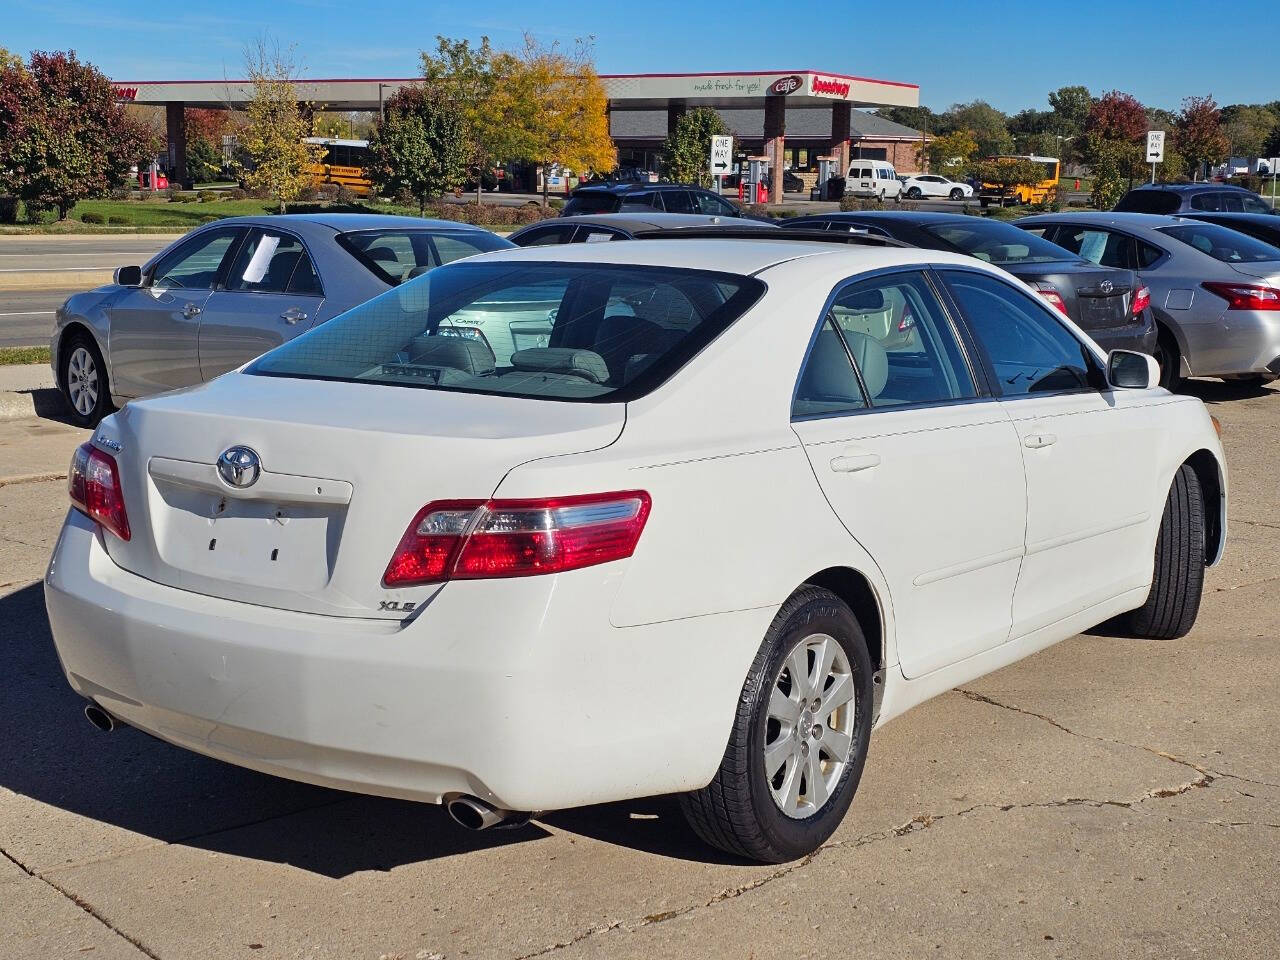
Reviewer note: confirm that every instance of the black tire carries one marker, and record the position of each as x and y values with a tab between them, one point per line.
957	194
1170	360
88	396
737	812
1178	577
914	193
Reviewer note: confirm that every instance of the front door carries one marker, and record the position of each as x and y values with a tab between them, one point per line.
271	294
154	334
924	472
1089	453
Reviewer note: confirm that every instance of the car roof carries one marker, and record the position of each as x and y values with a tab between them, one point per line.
1189	187
1269	219
651	220
1133	221
737	256
343	222
916	217
630	186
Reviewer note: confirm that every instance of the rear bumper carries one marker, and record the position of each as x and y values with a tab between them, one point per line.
1240	342
517	691
1141	336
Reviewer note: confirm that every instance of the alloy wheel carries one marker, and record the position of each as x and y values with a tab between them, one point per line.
809	725
82	381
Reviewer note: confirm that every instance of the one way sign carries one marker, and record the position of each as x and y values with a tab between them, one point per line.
721	155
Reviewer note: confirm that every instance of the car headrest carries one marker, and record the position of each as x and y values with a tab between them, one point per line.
827	375
382	255
460	353
586	364
281	269
872	360
865	301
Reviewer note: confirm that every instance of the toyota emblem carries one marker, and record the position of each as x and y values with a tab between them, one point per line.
1107	286
239	467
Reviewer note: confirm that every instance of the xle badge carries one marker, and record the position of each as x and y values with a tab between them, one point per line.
396	605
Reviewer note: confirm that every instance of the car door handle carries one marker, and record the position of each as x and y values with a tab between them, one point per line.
192	310
852	463
1037	440
293	315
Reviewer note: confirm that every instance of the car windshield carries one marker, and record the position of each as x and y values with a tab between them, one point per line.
996	242
591	201
1149	201
397	255
557	331
1229	246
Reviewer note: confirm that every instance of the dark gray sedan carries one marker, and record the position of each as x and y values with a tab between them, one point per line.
232	290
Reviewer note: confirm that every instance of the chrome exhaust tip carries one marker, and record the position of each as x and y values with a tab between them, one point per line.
476	814
99	717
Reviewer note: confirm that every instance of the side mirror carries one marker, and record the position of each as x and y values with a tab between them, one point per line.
128	276
1130	370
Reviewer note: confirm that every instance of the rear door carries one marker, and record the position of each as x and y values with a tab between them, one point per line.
154	335
921	469
271	294
1089	453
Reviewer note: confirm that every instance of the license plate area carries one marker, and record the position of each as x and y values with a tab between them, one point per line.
1102	311
277	545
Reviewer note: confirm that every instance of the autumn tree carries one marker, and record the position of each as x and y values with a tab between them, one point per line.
560	105
1115	138
1200	137
950	154
275	156
987	124
418	146
688	148
63	137
479	81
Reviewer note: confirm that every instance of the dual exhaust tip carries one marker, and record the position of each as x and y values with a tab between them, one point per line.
467	811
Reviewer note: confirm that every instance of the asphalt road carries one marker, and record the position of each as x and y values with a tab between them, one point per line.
43	253
26	316
1106	798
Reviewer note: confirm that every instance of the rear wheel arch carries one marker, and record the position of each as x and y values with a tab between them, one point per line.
1209	472
860	595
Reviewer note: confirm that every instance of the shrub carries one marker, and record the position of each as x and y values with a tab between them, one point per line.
90	217
182	196
207	196
1250	181
235	193
848	202
118	221
210	218
344	196
121	193
555	203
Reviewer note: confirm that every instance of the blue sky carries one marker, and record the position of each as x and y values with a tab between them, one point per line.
1185	48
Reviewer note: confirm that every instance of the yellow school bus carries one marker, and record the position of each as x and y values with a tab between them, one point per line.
1043	191
342	163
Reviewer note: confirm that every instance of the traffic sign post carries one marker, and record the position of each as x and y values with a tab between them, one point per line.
1274	164
1155	150
721	158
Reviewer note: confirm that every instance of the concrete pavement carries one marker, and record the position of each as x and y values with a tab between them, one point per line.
1106	798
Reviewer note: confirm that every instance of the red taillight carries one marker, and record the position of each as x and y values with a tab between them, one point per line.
474	540
93	483
1141	300
1051	295
1245	296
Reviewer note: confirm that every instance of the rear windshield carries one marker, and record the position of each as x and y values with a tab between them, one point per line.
590	201
1229	246
396	255
594	332
1149	201
997	242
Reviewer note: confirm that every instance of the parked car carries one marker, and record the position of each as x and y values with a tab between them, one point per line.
1260	226
873	178
933	185
619	226
231	290
1109	303
1215	292
1172	198
390	558
647	198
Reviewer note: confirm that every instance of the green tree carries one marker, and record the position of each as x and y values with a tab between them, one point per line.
1009	173
987	124
1112	163
1069	107
204	161
275	158
917	118
688	148
1199	135
951	154
1248	129
63	137
418	146
479	81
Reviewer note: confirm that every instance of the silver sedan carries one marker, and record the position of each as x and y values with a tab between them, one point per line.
1215	292
232	290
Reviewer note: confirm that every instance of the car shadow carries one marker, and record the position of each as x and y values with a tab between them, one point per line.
1226	391
50	753
49	404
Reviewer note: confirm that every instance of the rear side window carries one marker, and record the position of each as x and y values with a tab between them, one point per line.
995	242
1028	349
1095	245
677	201
1207	201
1253	205
1146	254
395	256
545	236
585	332
639	201
268	262
1149	201
1228	246
591	201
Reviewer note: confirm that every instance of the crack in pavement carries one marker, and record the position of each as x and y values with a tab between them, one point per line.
40	478
82	904
1254	523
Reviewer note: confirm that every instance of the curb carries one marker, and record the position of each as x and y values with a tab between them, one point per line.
28	390
55	280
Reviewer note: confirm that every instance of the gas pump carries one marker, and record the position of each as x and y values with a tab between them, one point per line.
828	167
757	168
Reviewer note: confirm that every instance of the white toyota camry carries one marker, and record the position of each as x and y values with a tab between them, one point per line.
566	525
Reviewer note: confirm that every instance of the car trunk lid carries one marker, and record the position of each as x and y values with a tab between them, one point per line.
343	469
1096	298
